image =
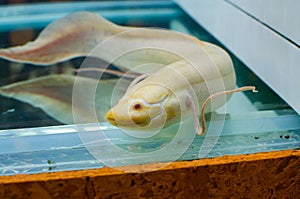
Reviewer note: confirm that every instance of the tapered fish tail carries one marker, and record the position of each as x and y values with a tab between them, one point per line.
73	36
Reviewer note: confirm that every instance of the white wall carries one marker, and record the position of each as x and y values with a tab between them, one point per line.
274	58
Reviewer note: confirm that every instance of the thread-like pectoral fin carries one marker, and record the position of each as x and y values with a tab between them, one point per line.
201	130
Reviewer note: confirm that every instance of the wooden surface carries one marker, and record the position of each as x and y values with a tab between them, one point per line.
263	175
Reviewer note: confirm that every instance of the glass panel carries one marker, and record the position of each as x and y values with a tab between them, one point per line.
31	141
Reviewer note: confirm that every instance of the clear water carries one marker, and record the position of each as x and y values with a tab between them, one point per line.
33	142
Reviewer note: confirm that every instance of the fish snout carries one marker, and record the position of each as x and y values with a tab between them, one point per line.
128	120
111	118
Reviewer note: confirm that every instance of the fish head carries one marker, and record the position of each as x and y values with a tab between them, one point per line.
145	106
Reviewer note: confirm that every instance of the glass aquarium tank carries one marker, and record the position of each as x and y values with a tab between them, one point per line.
40	131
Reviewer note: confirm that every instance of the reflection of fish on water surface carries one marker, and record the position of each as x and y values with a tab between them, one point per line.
14	113
78	34
53	94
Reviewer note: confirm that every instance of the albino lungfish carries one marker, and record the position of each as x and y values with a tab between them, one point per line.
180	72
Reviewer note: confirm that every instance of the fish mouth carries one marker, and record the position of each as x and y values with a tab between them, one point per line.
111	119
113	122
133	121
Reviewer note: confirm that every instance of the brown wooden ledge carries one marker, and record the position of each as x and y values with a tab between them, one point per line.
262	175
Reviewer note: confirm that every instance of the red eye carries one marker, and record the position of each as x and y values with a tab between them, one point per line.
137	106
